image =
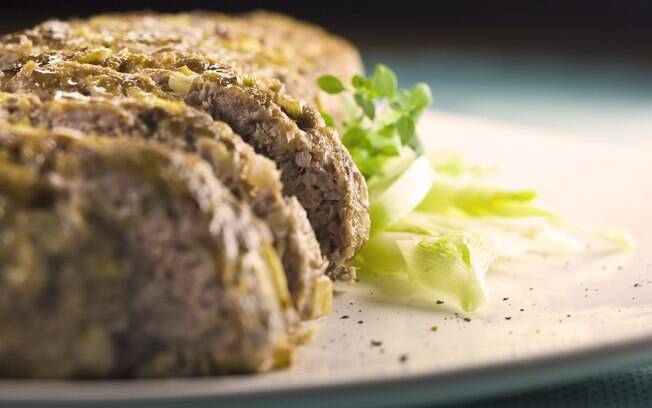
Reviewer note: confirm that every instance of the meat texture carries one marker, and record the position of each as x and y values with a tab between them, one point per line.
260	44
126	259
251	177
315	166
171	201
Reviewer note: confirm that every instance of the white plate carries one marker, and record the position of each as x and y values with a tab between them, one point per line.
580	315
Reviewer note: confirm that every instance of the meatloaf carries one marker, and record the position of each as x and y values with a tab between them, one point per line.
315	167
261	44
170	197
251	177
126	259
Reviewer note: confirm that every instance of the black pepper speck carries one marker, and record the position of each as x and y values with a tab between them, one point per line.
403	358
344	317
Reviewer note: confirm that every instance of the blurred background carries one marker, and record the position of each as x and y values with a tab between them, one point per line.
576	66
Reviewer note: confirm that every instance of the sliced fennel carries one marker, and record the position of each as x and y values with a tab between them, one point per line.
462	225
400	197
453	264
435	220
469	196
450	164
511	237
621	239
382	255
391	170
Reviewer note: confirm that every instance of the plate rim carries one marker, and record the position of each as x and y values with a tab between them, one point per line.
461	384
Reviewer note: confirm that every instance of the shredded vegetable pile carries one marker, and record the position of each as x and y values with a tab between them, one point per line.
434	219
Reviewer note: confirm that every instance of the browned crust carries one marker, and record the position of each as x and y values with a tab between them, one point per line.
294	134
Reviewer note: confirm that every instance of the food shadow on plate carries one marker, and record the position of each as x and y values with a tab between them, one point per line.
398	290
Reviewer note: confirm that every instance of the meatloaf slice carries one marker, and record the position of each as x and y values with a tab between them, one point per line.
251	177
124	259
315	166
259	44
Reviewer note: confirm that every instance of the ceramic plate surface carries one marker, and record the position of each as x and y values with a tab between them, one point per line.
550	319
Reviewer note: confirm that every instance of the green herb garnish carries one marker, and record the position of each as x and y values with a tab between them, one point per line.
382	118
438	224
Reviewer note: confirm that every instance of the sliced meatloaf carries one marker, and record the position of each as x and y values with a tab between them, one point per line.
259	44
121	258
315	167
251	177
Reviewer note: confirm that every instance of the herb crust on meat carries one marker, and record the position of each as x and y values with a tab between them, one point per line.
261	44
315	167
